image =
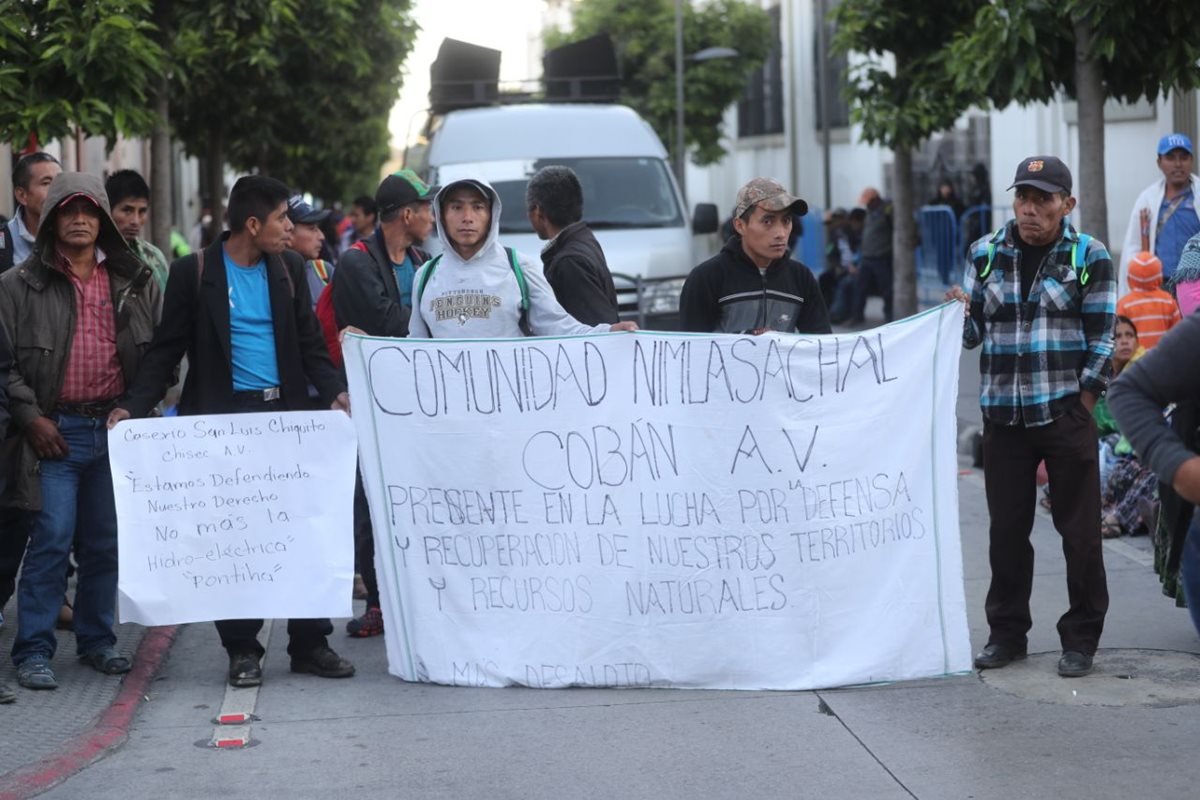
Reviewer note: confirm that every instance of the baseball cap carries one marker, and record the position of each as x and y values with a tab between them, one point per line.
769	194
75	195
474	184
401	188
1047	173
303	213
1175	141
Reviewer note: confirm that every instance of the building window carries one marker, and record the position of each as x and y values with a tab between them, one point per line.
760	111
836	66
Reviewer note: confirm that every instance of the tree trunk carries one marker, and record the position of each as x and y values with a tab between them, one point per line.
161	187
1089	87
904	236
215	165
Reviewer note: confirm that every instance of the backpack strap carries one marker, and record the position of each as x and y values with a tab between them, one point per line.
991	252
518	273
322	270
523	320
1079	257
430	266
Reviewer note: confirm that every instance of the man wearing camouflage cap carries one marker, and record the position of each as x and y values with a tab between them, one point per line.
752	286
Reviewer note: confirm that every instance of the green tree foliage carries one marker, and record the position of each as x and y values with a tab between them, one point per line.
1029	51
902	91
67	64
297	89
331	137
644	36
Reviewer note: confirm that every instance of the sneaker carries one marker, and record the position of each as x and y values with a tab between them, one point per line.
245	669
369	624
107	660
323	663
35	673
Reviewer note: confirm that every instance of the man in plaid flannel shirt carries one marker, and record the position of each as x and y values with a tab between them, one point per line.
1040	297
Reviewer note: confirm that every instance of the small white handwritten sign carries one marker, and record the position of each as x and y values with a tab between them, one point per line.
234	516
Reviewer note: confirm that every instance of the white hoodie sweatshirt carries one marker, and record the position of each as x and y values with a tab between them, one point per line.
479	298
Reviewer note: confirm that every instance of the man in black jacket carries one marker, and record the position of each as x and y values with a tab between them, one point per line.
372	291
752	286
242	313
372	287
573	261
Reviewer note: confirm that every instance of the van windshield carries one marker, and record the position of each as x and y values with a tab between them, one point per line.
617	193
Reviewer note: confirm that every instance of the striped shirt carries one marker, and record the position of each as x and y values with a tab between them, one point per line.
1152	312
1041	351
93	369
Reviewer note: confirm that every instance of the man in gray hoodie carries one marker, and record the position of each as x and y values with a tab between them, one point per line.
473	289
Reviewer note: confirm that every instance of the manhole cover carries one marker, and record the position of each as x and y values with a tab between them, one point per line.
1151	678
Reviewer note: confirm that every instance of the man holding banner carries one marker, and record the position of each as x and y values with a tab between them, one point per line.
479	289
752	286
242	312
1040	297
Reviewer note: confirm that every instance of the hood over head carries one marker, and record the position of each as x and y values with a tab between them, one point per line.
492	240
63	188
1145	272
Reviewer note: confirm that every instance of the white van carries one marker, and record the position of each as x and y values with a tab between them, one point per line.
630	198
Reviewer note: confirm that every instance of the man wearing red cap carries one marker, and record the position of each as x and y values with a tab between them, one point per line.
80	311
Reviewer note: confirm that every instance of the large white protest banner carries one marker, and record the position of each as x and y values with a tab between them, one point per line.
668	510
234	516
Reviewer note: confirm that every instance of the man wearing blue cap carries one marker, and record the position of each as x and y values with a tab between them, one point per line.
1165	215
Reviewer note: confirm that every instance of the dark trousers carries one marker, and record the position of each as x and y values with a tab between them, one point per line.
240	635
364	543
14	534
304	635
874	277
1010	460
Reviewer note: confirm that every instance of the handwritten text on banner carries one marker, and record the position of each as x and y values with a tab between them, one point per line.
667	509
234	516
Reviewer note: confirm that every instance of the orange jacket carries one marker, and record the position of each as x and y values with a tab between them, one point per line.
1153	311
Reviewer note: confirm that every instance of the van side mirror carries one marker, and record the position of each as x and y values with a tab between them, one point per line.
704	219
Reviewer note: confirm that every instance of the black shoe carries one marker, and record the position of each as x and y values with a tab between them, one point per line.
324	663
995	656
1074	664
245	669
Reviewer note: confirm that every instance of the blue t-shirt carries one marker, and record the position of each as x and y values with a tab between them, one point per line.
1182	225
404	279
251	327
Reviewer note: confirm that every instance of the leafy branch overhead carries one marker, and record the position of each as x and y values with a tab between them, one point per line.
1024	52
300	89
644	36
69	63
901	85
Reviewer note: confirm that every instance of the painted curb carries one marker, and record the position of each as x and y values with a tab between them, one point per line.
108	732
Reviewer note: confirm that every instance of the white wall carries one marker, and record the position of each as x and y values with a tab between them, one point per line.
1044	129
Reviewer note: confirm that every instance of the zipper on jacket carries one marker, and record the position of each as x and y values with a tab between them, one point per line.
762	304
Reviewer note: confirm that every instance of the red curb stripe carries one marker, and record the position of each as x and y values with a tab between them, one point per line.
109	731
